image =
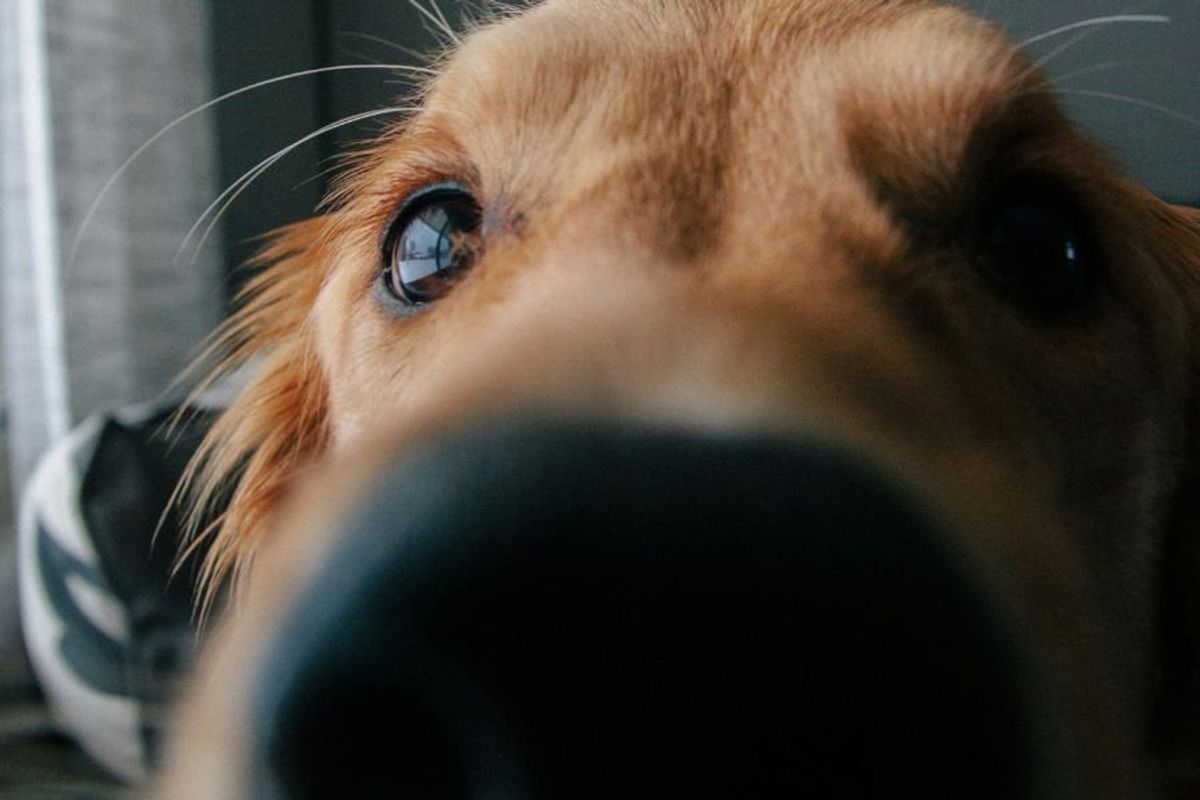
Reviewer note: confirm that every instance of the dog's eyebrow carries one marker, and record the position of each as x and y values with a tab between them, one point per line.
925	166
929	105
416	154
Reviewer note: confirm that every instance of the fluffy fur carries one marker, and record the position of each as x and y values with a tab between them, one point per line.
747	214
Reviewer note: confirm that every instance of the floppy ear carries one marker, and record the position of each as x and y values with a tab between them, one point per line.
1178	713
277	422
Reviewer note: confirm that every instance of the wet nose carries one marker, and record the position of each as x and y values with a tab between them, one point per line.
585	610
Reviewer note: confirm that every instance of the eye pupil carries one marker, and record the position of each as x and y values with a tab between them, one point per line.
1038	250
432	243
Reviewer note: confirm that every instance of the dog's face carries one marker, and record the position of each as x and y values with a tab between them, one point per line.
864	220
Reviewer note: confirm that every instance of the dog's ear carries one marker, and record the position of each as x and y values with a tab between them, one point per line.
1177	239
278	422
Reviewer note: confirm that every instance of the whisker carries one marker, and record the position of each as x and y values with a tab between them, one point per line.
219	206
437	21
1045	59
1102	67
408	51
1040	64
77	241
446	26
1134	101
1155	19
1087	28
471	14
324	172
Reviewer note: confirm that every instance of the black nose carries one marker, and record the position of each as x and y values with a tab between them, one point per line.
583	611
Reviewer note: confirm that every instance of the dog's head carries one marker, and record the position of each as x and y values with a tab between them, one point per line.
863	222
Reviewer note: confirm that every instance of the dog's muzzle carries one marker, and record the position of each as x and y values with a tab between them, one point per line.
591	611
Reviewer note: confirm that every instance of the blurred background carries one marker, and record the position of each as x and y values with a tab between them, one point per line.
106	313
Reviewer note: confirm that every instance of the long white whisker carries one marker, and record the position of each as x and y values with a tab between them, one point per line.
218	207
77	242
1155	19
438	24
1055	53
1086	29
408	51
1134	101
446	26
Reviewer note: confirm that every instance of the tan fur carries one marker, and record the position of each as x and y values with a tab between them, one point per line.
276	424
710	212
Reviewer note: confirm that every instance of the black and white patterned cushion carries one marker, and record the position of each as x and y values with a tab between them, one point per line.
107	622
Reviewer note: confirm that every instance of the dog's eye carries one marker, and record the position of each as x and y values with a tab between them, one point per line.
1038	248
433	240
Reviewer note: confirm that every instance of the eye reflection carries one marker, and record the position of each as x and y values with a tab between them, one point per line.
434	245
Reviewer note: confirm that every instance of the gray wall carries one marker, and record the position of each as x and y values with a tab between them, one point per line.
120	70
1151	64
116	323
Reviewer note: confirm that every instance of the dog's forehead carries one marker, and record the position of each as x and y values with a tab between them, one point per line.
636	66
664	117
696	83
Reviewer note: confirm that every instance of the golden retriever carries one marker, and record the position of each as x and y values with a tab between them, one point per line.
867	219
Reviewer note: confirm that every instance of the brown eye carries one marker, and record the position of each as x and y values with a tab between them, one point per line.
431	244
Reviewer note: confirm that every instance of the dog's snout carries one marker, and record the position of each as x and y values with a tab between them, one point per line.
583	610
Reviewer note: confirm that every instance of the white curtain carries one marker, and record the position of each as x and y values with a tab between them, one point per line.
36	407
83	84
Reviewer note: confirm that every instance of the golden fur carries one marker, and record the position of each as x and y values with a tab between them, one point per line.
719	212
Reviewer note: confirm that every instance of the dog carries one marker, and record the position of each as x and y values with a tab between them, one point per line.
860	220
